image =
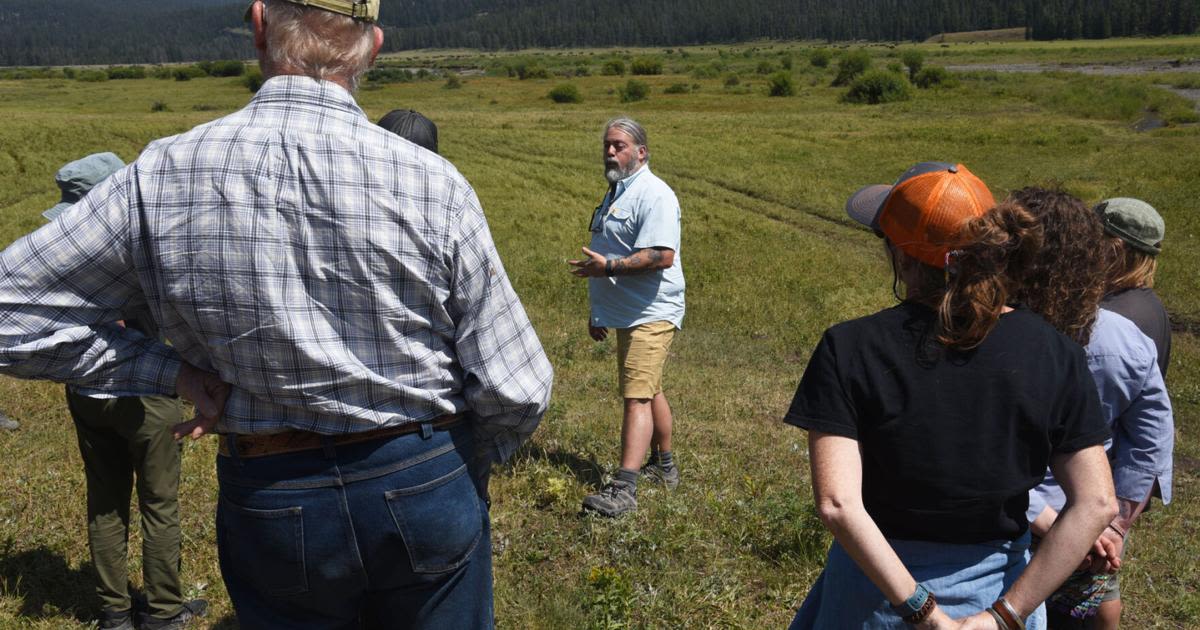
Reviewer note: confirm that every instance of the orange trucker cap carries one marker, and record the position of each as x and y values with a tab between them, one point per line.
923	212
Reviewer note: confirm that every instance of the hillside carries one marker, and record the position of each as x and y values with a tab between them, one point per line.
144	31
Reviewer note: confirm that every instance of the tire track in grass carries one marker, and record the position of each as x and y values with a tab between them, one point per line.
794	215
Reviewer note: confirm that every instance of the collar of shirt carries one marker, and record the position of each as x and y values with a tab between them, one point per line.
293	92
622	185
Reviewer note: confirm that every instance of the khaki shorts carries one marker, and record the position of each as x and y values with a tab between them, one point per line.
641	353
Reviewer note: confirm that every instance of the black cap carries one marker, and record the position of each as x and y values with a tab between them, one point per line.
411	126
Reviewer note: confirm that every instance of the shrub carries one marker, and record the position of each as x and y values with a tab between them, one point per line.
785	60
69	72
645	66
709	71
91	76
764	67
126	72
896	67
851	65
780	84
253	80
583	70
385	74
225	68
879	86
453	82
732	80
913	59
613	67
677	88
532	71
187	73
820	57
933	76
565	93
159	106
633	90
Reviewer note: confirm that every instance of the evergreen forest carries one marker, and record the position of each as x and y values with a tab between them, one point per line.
56	32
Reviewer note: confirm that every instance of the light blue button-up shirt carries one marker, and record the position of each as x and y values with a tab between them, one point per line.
640	212
1133	398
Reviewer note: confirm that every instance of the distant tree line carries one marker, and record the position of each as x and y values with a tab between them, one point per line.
514	24
55	32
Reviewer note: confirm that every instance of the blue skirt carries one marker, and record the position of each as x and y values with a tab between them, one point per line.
965	578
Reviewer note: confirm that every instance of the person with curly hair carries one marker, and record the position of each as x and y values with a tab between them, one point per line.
1065	285
929	422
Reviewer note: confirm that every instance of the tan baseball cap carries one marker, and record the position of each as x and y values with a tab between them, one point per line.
365	10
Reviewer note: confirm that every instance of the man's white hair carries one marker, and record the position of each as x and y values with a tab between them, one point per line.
631	127
316	43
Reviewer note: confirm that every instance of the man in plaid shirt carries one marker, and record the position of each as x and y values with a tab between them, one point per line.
344	283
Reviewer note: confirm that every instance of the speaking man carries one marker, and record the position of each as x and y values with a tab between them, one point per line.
635	285
344	283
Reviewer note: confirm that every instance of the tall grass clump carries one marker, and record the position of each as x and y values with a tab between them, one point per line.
878	86
852	64
781	84
613	68
820	57
933	76
633	90
565	93
645	66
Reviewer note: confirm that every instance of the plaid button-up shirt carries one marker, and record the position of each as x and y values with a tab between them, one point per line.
340	278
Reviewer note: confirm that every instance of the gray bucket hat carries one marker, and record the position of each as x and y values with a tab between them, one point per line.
1133	221
78	177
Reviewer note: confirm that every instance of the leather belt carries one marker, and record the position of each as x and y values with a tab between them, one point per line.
249	446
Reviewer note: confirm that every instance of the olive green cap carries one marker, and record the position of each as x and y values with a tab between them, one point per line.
1133	221
365	10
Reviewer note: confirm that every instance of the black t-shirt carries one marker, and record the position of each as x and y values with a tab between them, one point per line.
1142	307
951	442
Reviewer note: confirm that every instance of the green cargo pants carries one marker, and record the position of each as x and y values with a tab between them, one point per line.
120	439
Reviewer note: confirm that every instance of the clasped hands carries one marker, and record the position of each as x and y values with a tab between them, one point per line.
208	394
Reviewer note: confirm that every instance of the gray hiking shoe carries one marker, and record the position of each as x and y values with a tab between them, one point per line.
190	611
614	499
655	472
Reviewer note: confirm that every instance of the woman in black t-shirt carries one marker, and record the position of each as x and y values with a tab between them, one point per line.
930	421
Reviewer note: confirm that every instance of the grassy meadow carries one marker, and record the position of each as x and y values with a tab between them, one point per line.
770	261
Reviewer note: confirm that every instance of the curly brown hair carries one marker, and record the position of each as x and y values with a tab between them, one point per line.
1066	282
987	266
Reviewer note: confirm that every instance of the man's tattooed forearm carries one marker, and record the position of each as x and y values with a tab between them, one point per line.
641	261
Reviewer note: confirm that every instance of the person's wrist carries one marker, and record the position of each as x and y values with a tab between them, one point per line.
1119	531
1006	615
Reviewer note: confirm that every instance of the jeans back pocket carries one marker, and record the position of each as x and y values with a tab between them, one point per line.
267	547
439	521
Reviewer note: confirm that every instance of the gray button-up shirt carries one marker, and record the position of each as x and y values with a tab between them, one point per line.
340	278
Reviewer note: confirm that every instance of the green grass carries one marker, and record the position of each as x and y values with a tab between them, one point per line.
770	262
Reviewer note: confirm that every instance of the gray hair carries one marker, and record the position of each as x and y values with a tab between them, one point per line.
631	127
316	43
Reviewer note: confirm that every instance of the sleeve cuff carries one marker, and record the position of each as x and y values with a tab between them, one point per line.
823	426
1135	484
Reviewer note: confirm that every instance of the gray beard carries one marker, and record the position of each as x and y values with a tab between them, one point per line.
615	174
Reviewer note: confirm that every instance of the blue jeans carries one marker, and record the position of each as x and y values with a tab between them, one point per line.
965	578
388	533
